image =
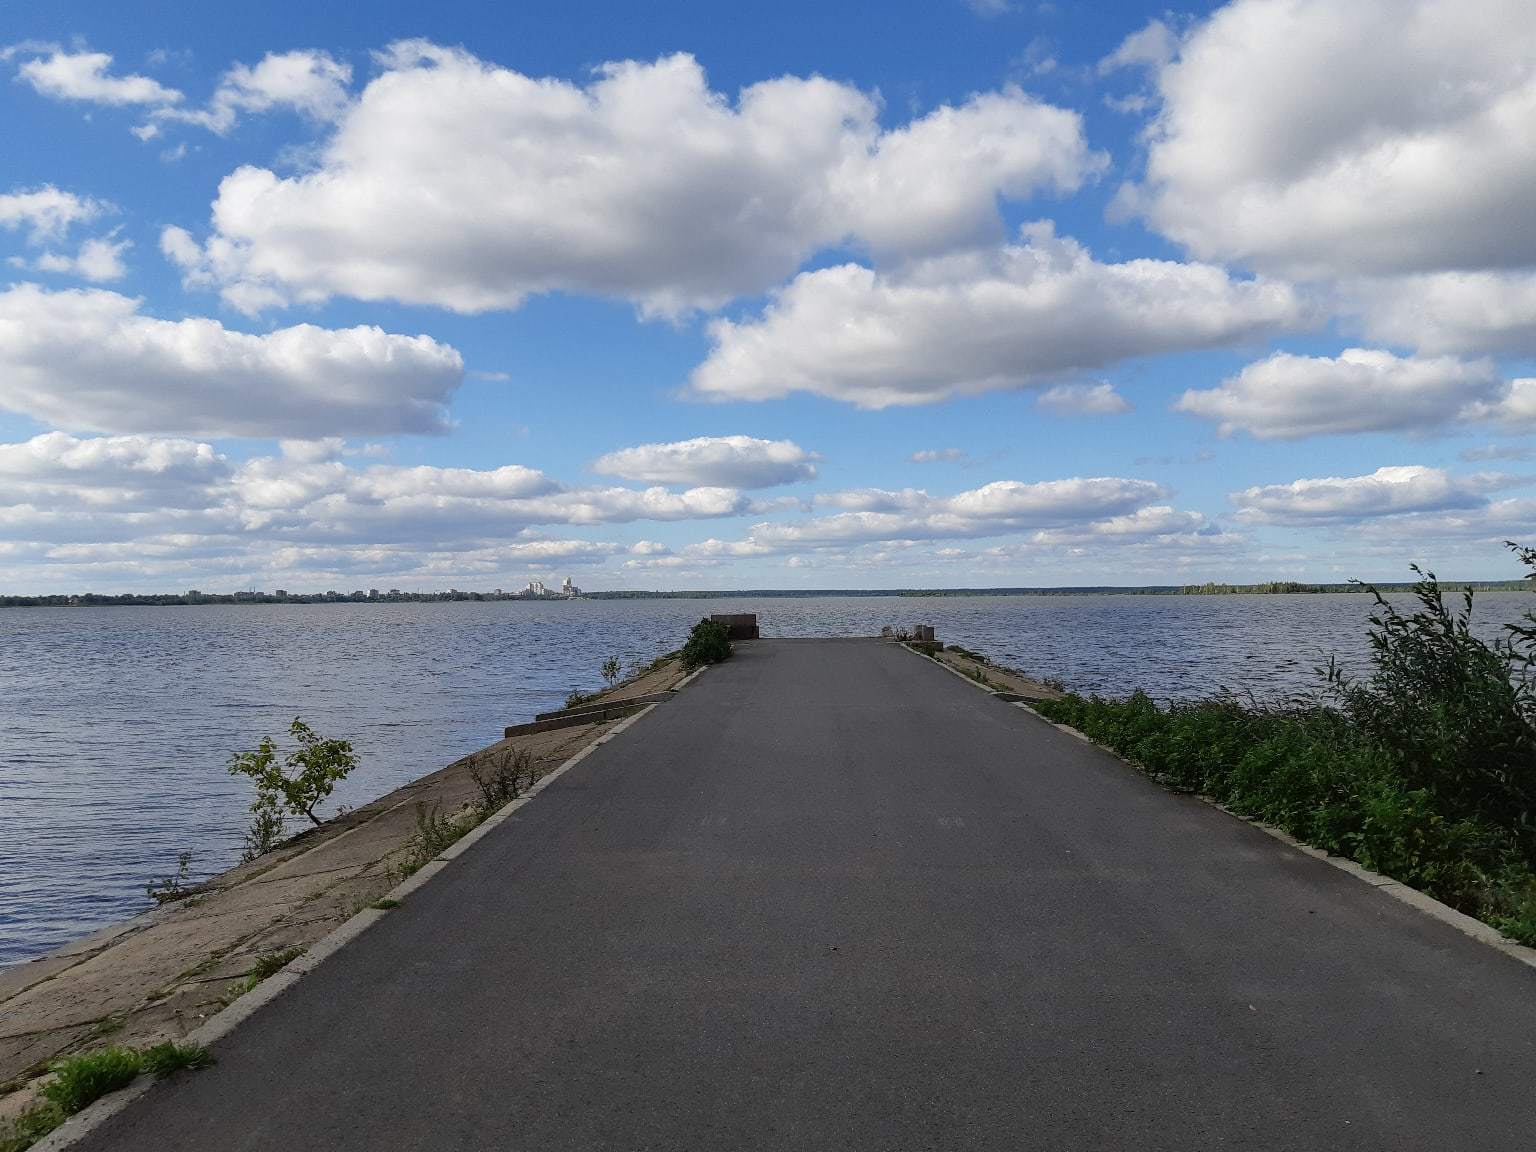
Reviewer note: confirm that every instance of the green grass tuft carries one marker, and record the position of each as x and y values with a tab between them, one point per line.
78	1080
31	1126
272	963
167	1057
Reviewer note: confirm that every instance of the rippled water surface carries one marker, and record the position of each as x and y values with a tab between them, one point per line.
116	723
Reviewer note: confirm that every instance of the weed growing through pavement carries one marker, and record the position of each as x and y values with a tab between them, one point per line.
265	967
167	1057
272	963
434	833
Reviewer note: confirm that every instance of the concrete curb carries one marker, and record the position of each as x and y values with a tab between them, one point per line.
1467	925
599	715
223	1023
592	709
691	677
1011	696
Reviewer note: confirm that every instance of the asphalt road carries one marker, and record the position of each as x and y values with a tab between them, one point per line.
833	897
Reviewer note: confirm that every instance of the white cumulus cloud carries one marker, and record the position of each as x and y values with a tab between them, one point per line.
310	82
123	473
1464	312
1391	491
1321	139
145	505
1082	400
722	461
455	182
46	212
1150	46
86	77
99	260
1513	411
1001	507
1023	315
1287	397
92	360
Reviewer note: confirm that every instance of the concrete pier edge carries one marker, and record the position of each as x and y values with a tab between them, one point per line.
247	1005
1425	903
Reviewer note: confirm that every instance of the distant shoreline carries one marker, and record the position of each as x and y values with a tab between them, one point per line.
1274	588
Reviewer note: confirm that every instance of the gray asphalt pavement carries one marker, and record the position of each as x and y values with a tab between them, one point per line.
832	897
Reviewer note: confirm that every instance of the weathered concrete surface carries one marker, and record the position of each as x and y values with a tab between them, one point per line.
834	897
996	677
161	974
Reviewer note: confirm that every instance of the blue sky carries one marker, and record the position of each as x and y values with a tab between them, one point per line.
828	296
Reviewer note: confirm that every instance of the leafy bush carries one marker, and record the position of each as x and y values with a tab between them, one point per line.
294	787
1425	770
708	643
612	668
1458	714
501	777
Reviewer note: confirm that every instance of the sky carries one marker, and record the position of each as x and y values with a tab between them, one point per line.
791	295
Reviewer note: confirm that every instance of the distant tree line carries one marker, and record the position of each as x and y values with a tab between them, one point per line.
395	596
374	596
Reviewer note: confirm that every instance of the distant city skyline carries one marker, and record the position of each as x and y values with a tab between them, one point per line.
974	294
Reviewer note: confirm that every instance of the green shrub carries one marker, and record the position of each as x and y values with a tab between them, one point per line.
1424	770
501	777
294	787
1457	714
708	643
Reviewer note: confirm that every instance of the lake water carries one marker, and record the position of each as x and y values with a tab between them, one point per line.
116	723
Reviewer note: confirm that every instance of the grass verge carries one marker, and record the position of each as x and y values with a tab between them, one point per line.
1424	771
